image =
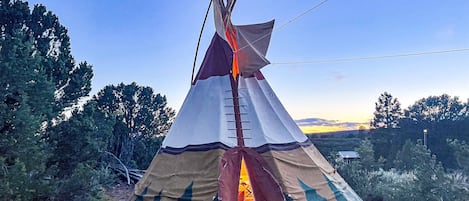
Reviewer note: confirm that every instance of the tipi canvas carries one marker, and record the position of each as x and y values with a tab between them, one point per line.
232	139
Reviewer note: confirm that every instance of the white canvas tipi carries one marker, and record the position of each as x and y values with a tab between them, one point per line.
232	139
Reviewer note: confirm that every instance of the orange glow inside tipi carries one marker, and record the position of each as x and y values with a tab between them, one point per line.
245	192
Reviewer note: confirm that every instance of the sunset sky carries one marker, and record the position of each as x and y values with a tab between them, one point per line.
153	43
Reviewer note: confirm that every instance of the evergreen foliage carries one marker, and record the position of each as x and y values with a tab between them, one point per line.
429	174
461	153
357	173
25	94
80	140
49	41
367	156
413	171
38	81
417	176
142	119
436	109
444	117
75	187
387	112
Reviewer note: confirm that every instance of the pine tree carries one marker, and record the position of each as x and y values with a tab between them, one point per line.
387	112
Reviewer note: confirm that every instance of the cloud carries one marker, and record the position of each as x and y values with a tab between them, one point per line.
318	125
338	76
314	122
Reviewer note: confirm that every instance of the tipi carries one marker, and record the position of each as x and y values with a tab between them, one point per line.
232	139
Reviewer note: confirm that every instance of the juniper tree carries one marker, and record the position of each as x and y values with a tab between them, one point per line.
141	117
39	79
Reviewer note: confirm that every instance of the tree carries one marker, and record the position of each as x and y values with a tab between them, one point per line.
38	81
404	160
359	173
367	156
387	112
459	179
436	109
140	115
80	143
24	96
461	152
81	139
465	111
51	42
417	176
428	172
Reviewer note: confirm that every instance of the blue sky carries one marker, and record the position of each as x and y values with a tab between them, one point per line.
153	43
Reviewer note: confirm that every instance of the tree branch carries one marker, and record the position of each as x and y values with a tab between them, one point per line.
125	168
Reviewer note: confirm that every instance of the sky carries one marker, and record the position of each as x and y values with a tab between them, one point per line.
153	44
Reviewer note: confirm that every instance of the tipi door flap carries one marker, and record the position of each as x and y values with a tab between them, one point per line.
263	184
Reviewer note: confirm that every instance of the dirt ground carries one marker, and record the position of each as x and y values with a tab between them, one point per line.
120	192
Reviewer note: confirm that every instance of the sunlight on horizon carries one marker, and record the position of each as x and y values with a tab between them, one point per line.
332	128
